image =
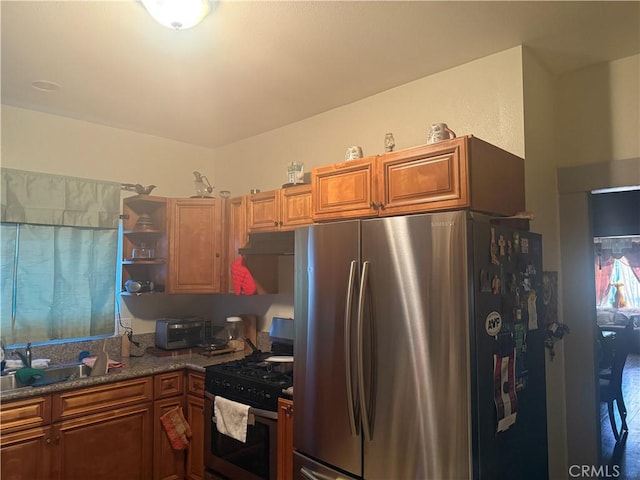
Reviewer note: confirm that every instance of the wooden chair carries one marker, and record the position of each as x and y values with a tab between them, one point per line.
611	379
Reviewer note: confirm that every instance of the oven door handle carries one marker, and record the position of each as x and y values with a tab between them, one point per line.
256	412
311	475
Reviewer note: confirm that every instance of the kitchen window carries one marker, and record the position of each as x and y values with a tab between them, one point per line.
58	246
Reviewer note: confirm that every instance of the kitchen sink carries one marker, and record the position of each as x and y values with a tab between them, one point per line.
69	371
53	374
8	382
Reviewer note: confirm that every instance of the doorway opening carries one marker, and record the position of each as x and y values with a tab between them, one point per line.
616	224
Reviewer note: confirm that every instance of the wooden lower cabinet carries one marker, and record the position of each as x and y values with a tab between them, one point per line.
106	432
113	444
168	464
26	440
195	417
26	454
103	432
285	439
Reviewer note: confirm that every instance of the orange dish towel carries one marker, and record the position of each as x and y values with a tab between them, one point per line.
242	280
177	428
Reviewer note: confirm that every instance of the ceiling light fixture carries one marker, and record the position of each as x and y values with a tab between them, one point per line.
45	86
178	14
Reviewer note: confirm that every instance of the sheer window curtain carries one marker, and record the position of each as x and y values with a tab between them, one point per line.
624	268
58	241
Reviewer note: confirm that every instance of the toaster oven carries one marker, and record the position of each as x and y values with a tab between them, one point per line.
175	333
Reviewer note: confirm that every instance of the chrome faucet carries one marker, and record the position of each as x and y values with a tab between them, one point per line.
26	356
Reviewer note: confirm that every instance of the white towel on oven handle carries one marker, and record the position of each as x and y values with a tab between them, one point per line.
232	418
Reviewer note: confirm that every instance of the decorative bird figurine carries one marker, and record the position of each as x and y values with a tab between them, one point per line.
139	189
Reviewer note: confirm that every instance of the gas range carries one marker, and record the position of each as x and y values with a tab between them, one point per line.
251	381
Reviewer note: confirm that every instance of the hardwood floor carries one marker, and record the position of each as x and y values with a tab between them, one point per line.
626	453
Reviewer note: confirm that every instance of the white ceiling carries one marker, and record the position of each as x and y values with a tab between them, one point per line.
252	66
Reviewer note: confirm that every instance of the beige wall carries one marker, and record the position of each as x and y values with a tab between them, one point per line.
542	199
483	98
598	146
598	113
53	144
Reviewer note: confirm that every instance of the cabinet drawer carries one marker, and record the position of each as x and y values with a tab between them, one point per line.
22	414
195	384
168	384
96	399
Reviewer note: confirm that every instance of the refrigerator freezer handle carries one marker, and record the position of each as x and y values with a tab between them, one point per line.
366	428
347	348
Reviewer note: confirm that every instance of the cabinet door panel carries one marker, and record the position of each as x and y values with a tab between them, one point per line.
114	444
423	178
196	229
168	464
195	454
26	455
285	439
237	232
263	211
344	190
296	207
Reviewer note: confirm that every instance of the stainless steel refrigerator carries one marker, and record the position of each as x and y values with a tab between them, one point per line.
404	326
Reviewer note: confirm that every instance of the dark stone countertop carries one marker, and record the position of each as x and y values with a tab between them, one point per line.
134	367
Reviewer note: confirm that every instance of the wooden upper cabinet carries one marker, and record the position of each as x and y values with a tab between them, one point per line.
282	209
295	206
263	211
461	173
238	235
344	190
464	172
418	178
144	226
197	245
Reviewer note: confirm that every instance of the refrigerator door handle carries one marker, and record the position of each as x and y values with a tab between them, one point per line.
347	349
366	428
311	475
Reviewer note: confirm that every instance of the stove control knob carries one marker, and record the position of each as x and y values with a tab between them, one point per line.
240	387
